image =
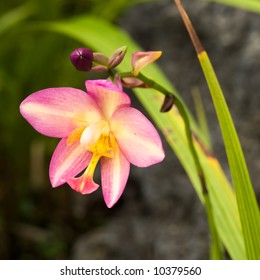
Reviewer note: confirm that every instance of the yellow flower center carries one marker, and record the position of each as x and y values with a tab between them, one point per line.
105	146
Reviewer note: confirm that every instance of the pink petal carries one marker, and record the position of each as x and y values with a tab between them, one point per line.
84	184
107	95
137	137
114	175
67	162
55	112
106	84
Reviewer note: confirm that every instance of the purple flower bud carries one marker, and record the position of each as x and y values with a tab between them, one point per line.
82	59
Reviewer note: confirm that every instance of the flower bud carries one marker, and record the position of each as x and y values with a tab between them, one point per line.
101	59
142	59
133	82
167	104
99	68
82	59
117	56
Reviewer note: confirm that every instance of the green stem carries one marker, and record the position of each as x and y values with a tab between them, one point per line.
216	246
183	113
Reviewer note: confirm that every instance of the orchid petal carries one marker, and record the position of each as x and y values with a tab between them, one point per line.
114	175
83	184
55	112
106	84
142	59
67	161
107	95
136	137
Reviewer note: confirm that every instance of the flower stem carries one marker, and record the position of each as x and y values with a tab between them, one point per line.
216	247
178	103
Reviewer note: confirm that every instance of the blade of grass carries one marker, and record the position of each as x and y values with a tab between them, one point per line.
247	203
201	116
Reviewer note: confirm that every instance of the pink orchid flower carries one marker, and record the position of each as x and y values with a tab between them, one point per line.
97	125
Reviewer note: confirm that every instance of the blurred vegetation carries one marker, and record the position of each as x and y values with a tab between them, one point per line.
29	61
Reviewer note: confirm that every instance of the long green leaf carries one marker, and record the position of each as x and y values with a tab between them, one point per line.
201	116
104	37
15	16
247	203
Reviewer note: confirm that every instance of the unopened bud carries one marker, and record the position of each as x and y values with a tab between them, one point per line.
99	68
167	104
142	59
101	59
133	82
117	57
82	59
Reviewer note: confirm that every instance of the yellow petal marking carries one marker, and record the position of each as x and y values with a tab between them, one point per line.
75	135
104	147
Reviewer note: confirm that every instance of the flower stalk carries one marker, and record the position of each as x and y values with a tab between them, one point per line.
175	100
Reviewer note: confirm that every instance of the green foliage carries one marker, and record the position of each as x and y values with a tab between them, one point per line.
201	116
15	16
247	203
110	10
250	5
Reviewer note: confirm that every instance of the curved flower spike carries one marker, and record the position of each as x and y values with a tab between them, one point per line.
97	125
142	59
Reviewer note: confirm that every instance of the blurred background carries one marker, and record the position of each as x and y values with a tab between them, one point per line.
159	215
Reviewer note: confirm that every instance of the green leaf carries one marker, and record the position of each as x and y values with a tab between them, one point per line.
216	251
15	16
247	203
250	5
114	9
201	116
104	37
